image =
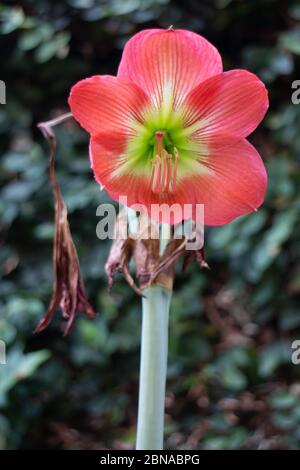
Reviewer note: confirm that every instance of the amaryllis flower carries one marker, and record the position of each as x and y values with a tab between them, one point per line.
171	127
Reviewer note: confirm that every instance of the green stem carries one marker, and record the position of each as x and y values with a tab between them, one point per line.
154	357
153	370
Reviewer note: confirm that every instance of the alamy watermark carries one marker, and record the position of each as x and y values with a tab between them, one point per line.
2	92
296	94
188	221
2	352
296	352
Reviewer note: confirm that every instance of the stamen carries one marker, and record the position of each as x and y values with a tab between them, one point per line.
157	173
164	171
167	169
156	188
169	172
153	164
176	155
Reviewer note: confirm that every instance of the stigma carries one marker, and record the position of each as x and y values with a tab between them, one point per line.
164	168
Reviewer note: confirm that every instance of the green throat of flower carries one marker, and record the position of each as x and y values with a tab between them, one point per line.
161	148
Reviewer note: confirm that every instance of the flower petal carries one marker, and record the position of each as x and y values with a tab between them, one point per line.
106	159
104	103
232	102
158	59
235	183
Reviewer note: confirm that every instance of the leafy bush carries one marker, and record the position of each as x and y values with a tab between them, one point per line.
231	382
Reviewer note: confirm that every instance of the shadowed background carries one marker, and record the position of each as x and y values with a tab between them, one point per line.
231	382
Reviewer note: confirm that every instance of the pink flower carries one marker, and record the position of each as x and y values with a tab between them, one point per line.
172	126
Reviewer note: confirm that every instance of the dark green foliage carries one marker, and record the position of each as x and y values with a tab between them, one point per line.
231	381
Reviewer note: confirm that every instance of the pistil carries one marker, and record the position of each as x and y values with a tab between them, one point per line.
159	137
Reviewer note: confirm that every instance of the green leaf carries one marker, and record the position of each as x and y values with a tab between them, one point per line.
232	378
49	49
291	41
12	19
19	366
283	400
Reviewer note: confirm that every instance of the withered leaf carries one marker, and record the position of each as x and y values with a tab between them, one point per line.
199	256
151	267
121	253
68	289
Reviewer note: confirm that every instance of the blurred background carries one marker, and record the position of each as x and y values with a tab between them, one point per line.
231	381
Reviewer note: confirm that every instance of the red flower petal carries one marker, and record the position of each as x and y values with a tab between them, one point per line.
106	154
156	58
105	103
233	102
235	184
